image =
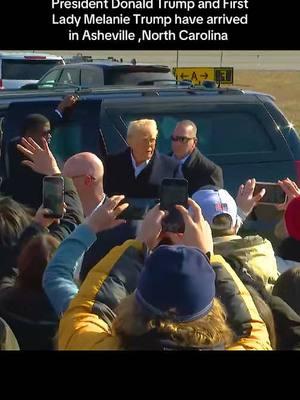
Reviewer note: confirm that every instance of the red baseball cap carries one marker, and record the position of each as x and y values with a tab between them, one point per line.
292	218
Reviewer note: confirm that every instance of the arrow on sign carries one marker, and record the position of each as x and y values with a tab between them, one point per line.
182	76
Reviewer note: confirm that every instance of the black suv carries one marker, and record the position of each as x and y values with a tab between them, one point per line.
99	73
244	132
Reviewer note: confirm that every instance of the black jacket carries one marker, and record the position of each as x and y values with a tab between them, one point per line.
200	171
21	183
106	241
119	177
286	320
287	324
30	316
72	218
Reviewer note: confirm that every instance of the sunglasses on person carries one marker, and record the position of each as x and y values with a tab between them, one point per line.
181	139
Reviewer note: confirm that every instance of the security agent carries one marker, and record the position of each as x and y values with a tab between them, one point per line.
196	168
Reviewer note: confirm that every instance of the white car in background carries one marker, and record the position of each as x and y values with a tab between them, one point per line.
18	69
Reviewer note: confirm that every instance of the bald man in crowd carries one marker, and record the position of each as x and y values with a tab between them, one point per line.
86	170
139	170
195	167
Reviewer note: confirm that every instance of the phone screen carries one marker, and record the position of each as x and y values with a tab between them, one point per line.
173	192
137	208
274	194
53	195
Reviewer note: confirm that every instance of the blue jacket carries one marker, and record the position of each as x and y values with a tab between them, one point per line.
58	280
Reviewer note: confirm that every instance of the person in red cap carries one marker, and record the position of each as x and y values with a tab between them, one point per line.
288	254
292	218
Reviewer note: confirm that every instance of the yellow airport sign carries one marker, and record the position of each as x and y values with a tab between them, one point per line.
199	74
224	75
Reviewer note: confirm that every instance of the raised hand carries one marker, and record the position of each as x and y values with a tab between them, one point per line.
105	217
291	190
40	159
68	102
197	231
41	217
245	199
151	227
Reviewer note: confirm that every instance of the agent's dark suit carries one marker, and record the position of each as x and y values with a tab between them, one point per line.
22	183
119	175
200	171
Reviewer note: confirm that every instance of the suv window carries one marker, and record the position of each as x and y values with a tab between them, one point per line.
91	77
70	76
26	69
66	141
127	77
50	78
218	133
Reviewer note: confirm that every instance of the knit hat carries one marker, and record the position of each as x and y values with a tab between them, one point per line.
177	283
292	218
214	202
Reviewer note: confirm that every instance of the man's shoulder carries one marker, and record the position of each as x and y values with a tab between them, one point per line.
167	160
123	155
198	158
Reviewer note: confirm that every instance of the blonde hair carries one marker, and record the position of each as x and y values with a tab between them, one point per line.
139	125
211	330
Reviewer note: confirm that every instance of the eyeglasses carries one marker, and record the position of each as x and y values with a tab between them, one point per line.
181	139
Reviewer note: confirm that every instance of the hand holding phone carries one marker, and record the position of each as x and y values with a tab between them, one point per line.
173	192
274	194
137	209
53	196
197	232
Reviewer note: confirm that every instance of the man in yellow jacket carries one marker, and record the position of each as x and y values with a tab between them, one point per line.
127	301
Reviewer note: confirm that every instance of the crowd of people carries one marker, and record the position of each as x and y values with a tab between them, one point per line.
91	280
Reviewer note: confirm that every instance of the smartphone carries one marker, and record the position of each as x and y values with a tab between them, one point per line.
137	208
173	192
274	194
53	195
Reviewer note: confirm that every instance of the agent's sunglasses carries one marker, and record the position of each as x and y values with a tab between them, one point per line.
181	139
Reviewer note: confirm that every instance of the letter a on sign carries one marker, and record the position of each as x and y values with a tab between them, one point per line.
194	77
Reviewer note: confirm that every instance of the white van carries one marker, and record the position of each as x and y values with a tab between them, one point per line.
18	69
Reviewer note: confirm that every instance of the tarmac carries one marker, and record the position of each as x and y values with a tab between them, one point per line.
240	60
